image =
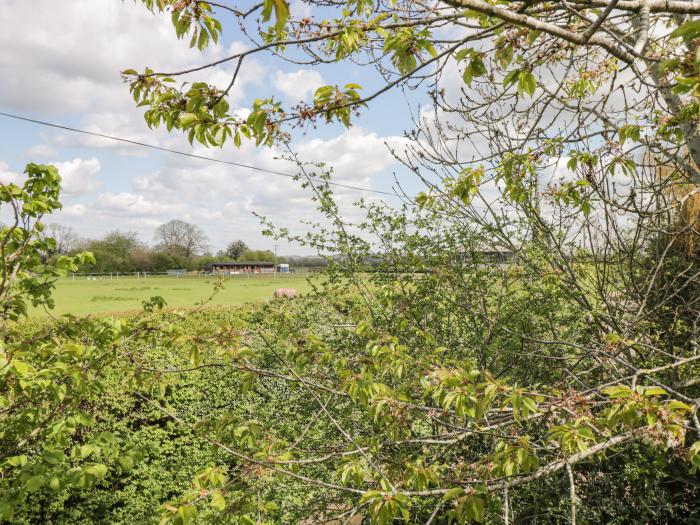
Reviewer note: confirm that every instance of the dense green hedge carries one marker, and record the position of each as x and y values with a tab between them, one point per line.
166	455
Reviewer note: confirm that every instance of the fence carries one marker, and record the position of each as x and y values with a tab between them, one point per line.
296	272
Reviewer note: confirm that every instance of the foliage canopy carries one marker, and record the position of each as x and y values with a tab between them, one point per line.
526	339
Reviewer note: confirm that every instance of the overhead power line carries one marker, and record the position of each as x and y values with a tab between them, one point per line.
185	154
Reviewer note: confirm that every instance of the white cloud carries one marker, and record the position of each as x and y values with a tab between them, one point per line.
132	205
221	198
71	55
355	154
42	151
75	210
300	9
9	177
298	85
69	61
66	68
79	175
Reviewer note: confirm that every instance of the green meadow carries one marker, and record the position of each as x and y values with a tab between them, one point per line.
80	296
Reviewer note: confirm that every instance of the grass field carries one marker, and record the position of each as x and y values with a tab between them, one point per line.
81	297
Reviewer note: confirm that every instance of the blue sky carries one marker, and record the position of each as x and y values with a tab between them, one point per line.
64	68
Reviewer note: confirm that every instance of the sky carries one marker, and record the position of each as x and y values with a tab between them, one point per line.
60	62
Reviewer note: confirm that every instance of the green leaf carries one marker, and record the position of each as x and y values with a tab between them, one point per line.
20	367
53	457
98	470
462	54
629	131
203	39
218	501
187	119
34	483
281	9
688	31
453	493
477	508
370	494
55	483
650	391
511	78
187	513
530	404
526	83
617	391
586	207
467	76
126	463
16	461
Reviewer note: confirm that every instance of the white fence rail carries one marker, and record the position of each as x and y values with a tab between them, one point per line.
296	272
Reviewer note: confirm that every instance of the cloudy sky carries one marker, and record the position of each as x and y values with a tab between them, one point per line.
60	62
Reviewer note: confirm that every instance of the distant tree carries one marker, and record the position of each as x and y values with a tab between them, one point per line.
258	255
180	238
162	262
142	258
113	253
186	263
121	242
312	261
234	250
66	240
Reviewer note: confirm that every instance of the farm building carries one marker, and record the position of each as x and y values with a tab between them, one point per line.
240	267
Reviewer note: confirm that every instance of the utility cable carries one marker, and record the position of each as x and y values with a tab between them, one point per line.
192	155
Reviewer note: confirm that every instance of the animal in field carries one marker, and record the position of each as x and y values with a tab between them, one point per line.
288	293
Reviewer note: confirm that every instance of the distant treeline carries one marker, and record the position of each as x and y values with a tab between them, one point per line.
177	245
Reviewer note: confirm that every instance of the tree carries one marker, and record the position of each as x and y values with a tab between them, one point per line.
142	259
163	262
180	238
65	237
258	255
587	50
441	386
51	375
113	253
234	250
